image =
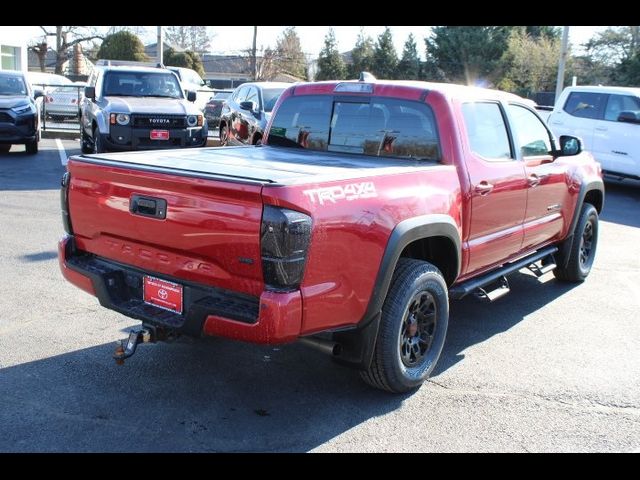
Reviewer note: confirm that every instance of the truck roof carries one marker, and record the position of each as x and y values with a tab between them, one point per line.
412	88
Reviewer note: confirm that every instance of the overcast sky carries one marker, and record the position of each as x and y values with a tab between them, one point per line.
234	39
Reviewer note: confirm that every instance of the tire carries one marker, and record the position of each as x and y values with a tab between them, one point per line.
97	142
583	248
408	346
224	136
85	146
32	147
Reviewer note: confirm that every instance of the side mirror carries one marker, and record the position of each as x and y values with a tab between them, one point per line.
191	95
90	92
246	106
570	146
37	93
629	116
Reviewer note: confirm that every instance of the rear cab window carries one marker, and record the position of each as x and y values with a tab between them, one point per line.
375	126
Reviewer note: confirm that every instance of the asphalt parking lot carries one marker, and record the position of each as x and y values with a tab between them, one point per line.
548	368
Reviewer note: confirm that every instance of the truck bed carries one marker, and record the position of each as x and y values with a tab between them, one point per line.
260	165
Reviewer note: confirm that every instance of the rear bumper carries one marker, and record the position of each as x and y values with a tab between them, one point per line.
272	318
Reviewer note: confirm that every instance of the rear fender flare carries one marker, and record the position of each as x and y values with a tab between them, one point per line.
406	232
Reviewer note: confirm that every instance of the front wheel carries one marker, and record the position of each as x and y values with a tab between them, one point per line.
32	147
85	143
413	326
97	142
583	248
224	136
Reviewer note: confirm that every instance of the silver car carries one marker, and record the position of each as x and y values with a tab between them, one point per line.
64	101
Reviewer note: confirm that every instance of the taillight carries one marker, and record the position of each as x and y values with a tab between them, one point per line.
284	241
64	203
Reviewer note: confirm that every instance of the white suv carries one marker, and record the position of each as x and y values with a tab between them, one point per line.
608	121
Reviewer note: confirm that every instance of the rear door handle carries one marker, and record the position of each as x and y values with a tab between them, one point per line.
483	188
602	129
534	179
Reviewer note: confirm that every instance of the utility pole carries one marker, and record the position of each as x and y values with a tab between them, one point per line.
563	59
254	63
160	45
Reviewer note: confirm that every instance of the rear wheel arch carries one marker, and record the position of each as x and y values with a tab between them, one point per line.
433	238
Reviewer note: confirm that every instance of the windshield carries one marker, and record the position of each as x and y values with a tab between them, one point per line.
270	97
142	84
378	126
12	85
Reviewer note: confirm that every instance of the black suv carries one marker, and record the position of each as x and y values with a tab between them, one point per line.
136	108
19	119
246	113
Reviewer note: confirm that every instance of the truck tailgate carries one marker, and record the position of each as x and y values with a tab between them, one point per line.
210	232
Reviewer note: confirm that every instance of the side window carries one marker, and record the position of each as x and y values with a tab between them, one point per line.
487	131
620	103
529	132
240	95
253	96
585	104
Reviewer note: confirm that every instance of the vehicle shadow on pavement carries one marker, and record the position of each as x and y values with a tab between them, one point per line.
210	395
39	257
45	169
622	203
472	321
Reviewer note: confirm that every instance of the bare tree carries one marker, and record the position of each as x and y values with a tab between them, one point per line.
195	38
66	37
290	58
40	49
264	61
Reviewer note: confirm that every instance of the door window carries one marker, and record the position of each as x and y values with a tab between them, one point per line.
620	103
530	133
585	104
487	131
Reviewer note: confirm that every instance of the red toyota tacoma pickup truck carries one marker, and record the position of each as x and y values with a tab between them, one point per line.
368	206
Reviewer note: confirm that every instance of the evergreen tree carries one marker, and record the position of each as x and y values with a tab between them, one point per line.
467	54
330	63
122	46
361	55
409	65
385	58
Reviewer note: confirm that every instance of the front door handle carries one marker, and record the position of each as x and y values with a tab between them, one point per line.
602	129
484	188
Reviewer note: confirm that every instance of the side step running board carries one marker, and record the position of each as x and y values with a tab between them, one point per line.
465	288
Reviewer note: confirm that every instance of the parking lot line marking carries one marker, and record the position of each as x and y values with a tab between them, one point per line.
62	152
